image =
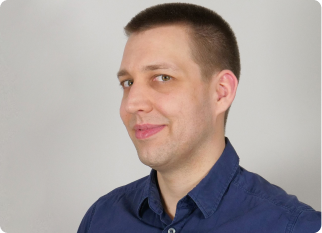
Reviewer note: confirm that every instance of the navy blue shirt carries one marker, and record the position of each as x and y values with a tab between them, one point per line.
228	200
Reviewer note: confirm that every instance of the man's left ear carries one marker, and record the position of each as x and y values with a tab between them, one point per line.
225	84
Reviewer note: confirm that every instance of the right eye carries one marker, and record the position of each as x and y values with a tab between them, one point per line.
127	83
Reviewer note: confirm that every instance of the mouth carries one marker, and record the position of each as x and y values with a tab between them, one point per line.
147	130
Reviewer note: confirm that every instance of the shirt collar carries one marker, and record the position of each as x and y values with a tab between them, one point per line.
150	195
207	194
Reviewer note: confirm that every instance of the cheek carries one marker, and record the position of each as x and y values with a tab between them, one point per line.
123	113
178	108
169	105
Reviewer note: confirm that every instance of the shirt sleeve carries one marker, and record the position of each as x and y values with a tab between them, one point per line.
87	219
308	222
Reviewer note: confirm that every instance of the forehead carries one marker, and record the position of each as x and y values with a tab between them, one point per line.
162	44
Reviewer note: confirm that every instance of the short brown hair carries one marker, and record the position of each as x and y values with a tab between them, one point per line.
214	45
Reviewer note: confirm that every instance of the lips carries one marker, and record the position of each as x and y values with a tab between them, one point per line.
147	130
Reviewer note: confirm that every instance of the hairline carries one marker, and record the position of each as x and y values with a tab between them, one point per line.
189	28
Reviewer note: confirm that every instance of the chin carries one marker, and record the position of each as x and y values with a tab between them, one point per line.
152	160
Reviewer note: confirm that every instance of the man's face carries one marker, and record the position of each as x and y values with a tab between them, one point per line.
166	105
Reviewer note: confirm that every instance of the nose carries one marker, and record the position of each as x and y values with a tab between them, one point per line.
138	99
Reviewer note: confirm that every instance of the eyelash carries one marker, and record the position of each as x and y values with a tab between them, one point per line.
122	83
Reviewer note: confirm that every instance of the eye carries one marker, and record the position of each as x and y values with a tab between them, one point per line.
162	78
127	83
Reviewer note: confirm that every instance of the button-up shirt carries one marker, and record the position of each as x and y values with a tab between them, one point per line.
229	199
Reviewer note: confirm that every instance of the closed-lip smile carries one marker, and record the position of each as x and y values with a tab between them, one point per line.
147	130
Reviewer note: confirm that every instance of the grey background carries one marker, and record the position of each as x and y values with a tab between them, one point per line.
62	142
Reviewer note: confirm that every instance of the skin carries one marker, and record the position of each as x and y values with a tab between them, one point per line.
163	86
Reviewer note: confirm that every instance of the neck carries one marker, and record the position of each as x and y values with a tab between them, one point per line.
176	184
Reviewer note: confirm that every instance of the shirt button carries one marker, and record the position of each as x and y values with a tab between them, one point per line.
171	230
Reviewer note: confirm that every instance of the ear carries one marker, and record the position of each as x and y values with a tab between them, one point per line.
224	90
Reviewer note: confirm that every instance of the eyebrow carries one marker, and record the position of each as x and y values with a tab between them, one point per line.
160	66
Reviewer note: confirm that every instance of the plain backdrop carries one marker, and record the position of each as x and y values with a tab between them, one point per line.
62	142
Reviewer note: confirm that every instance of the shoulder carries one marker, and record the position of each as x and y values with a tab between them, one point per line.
256	186
127	195
301	217
307	220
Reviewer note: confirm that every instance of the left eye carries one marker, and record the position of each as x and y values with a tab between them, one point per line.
162	78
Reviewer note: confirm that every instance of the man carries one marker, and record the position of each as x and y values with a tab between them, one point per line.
180	72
